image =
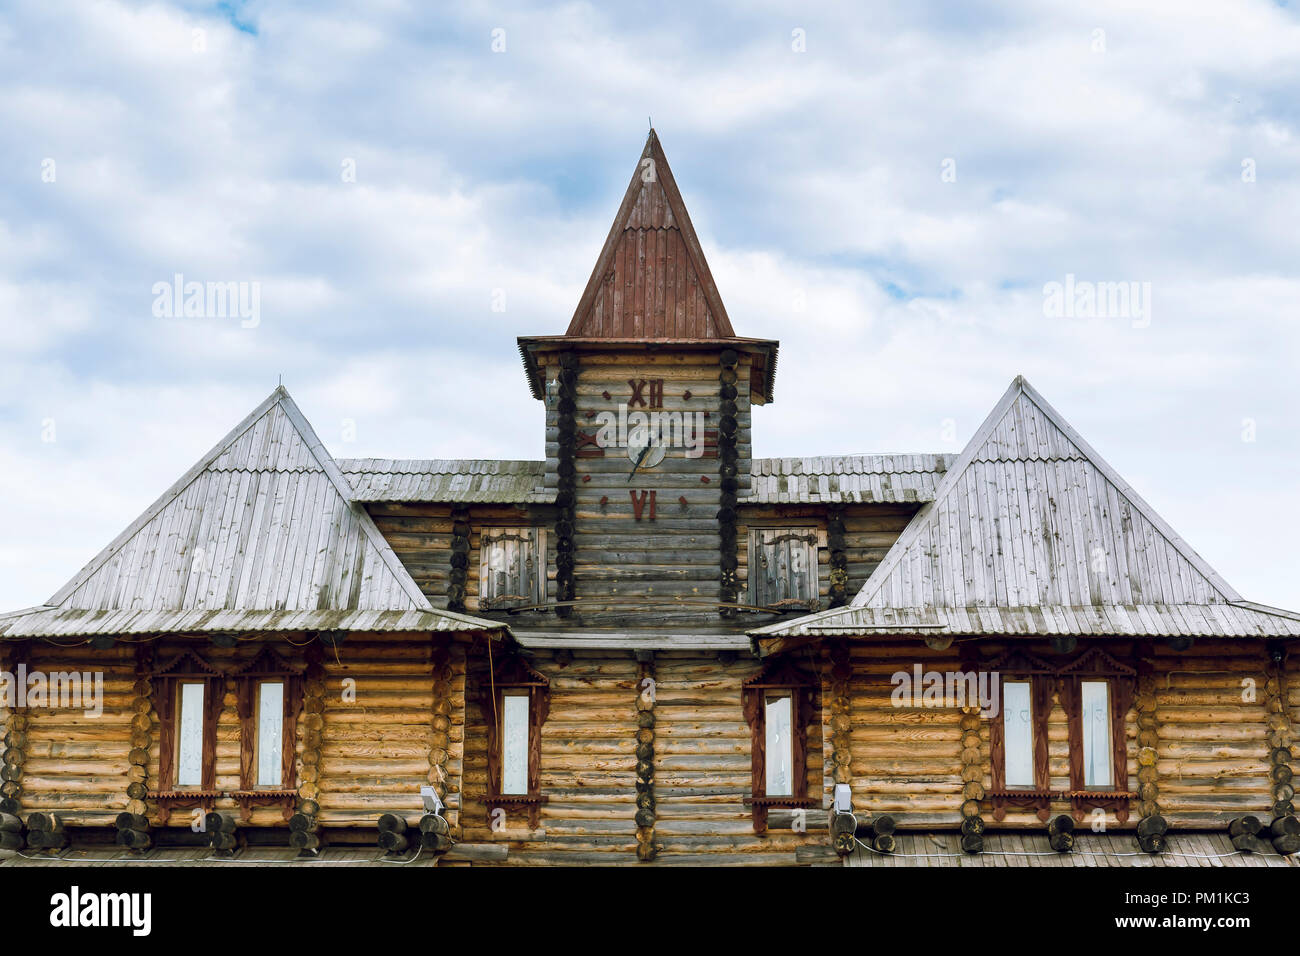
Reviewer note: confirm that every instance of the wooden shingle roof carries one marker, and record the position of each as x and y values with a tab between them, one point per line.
831	479
1031	531
261	534
846	479
461	481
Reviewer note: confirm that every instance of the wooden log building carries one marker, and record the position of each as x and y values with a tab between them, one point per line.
650	647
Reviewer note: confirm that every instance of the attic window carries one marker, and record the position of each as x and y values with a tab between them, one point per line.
1097	693
778	722
783	567
512	568
514	742
1018	753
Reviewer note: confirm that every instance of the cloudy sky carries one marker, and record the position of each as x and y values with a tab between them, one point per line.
888	191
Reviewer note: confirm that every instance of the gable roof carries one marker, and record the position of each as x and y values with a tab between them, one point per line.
1031	531
651	280
260	534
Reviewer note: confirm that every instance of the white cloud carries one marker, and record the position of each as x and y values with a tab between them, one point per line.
815	174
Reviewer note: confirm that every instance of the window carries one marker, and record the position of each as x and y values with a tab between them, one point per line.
189	742
514	700
512	567
1018	734
269	698
783	567
778	718
188	699
1018	754
1097	741
1097	694
514	743
270	729
778	706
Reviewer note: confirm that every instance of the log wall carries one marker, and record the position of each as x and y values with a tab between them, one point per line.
76	765
702	769
1212	744
588	765
673	557
905	761
385	737
378	749
1213	749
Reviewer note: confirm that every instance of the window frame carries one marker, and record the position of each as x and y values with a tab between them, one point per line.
1017	666
780	677
509	694
1064	680
187	667
532	535
179	690
513	675
259	721
266	666
1035	735
1103	742
1097	665
815	537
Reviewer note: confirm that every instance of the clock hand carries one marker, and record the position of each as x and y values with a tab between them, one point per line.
637	464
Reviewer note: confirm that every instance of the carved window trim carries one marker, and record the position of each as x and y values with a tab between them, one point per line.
1063	680
187	667
778	677
534	537
1096	665
267	666
515	675
1019	666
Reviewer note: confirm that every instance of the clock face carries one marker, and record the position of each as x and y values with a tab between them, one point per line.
640	449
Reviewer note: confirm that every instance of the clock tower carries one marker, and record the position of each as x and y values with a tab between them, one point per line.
648	396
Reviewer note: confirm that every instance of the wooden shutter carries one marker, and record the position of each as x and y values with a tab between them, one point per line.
511	567
783	567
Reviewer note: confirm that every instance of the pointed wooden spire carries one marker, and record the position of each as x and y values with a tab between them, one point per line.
651	280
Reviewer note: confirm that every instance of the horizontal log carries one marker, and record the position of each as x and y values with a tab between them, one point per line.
478	852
